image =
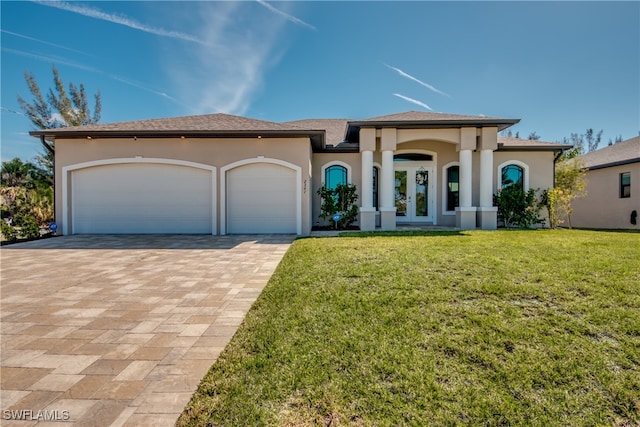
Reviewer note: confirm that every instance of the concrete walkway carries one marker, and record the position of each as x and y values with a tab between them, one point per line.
119	330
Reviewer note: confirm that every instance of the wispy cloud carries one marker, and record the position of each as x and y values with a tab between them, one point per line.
9	110
288	17
413	101
415	79
92	12
226	79
43	42
59	61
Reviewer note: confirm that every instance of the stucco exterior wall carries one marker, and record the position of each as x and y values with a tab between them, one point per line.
540	165
214	152
603	207
323	159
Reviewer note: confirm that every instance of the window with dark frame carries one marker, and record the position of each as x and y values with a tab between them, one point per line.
335	175
512	175
375	187
625	185
453	188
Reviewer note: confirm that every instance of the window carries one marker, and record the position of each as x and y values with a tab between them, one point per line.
625	185
376	171
453	185
412	157
335	175
512	175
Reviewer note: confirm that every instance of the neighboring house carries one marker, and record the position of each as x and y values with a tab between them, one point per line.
613	188
224	174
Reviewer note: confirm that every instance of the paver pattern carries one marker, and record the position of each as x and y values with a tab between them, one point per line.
119	330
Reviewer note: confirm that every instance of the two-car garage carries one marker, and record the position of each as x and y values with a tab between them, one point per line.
164	196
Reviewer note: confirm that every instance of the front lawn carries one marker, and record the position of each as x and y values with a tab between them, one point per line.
528	328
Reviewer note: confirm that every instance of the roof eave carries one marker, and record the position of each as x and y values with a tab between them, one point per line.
501	124
317	137
549	147
613	164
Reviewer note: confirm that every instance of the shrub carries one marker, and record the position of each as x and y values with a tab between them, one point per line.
516	207
341	200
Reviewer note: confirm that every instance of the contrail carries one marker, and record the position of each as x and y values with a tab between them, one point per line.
90	69
414	101
410	77
43	42
286	15
119	19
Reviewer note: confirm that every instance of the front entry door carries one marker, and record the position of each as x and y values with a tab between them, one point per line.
414	194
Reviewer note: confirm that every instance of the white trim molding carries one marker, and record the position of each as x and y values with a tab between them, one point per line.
260	159
67	170
525	172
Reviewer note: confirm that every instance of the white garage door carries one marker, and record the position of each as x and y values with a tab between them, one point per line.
261	199
141	198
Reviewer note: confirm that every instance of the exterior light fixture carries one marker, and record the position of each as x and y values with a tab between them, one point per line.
89	137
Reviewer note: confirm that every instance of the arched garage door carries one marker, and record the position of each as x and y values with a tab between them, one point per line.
143	198
261	199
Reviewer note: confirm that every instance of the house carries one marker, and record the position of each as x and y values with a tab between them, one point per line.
225	174
613	188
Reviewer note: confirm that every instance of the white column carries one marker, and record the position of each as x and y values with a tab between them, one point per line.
367	179
387	180
486	178
466	177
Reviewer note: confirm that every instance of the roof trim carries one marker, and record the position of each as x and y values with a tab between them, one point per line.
546	147
435	124
613	164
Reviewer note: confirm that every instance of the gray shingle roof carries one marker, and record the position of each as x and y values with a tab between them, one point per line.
335	128
201	123
421	116
624	152
332	132
507	143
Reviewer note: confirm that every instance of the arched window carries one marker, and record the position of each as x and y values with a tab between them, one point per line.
335	175
453	187
512	174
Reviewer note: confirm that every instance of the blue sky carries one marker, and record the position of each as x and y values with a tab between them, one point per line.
561	67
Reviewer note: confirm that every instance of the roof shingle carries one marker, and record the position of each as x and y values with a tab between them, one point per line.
627	151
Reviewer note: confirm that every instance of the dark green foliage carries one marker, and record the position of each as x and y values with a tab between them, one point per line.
341	200
516	207
27	199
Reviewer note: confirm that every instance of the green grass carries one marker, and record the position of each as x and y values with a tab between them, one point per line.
530	328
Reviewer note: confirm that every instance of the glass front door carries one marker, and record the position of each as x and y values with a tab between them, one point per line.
413	194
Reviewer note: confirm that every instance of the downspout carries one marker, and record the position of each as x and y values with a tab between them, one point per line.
555	160
47	147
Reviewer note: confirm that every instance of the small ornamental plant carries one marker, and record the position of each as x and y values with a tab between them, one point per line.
517	208
340	200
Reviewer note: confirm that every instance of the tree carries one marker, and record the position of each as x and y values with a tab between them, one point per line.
578	141
26	199
533	136
618	139
571	183
60	109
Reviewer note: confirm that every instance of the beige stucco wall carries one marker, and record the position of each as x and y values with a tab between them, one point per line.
539	163
603	207
323	159
214	152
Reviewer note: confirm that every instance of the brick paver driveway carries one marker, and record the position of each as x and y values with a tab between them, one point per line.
119	330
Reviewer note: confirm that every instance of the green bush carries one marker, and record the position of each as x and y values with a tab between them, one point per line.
8	232
28	226
516	207
341	200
